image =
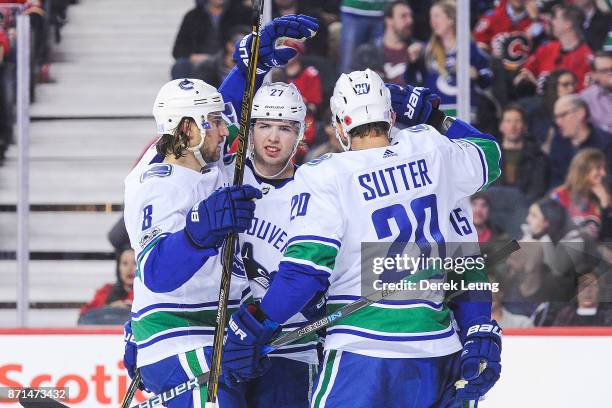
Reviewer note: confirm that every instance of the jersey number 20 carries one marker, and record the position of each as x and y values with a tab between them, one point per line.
399	213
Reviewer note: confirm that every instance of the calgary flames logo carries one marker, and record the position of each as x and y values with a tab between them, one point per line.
512	48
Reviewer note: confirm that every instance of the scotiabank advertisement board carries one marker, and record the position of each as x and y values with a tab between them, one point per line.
561	368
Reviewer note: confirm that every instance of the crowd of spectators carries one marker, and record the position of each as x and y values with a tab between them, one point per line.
46	20
541	81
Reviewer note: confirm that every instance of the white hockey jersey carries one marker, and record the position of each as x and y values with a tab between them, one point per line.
400	193
262	248
158	197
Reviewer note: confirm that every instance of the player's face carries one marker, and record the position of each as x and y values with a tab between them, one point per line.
215	137
127	267
274	141
535	220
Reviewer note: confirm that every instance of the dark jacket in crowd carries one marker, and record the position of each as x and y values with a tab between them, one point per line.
532	172
201	34
596	30
562	151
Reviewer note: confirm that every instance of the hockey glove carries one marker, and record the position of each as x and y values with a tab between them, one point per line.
227	210
272	53
413	105
480	359
243	358
130	352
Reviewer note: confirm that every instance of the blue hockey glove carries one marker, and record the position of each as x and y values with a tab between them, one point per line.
248	331
130	352
480	359
413	105
271	51
227	210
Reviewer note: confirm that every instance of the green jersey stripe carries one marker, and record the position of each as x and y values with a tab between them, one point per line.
194	364
157	322
329	365
142	257
319	254
492	156
414	320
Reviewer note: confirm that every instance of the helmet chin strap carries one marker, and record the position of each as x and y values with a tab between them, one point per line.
197	153
260	174
346	147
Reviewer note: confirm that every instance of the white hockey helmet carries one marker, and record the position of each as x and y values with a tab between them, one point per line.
191	98
359	98
279	100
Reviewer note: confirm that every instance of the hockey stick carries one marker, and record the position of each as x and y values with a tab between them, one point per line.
360	303
230	242
311	327
127	400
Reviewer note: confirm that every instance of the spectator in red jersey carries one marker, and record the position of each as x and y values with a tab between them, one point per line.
119	294
595	23
575	133
508	31
568	50
599	94
388	55
524	165
584	195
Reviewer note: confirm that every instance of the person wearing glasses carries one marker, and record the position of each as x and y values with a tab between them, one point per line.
599	94
575	132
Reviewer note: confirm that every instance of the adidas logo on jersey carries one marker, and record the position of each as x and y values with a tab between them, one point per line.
389	153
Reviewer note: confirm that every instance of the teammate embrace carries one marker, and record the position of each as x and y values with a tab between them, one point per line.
302	239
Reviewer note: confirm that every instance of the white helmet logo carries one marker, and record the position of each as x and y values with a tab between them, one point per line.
362	89
186	85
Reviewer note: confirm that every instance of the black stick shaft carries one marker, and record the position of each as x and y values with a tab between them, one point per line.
230	242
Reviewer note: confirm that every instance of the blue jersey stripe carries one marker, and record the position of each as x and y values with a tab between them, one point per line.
179	333
314	238
372	336
180	306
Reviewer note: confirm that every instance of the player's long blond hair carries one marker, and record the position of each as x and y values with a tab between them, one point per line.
435	54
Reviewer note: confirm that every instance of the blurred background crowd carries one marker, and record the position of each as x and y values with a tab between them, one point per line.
541	82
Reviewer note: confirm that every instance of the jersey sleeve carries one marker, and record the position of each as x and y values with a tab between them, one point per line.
467	304
473	158
165	256
315	232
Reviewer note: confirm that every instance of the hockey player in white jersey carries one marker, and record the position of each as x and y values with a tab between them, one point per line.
177	222
277	127
391	354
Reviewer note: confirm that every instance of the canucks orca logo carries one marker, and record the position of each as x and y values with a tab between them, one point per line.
186	85
314	162
254	270
157	170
